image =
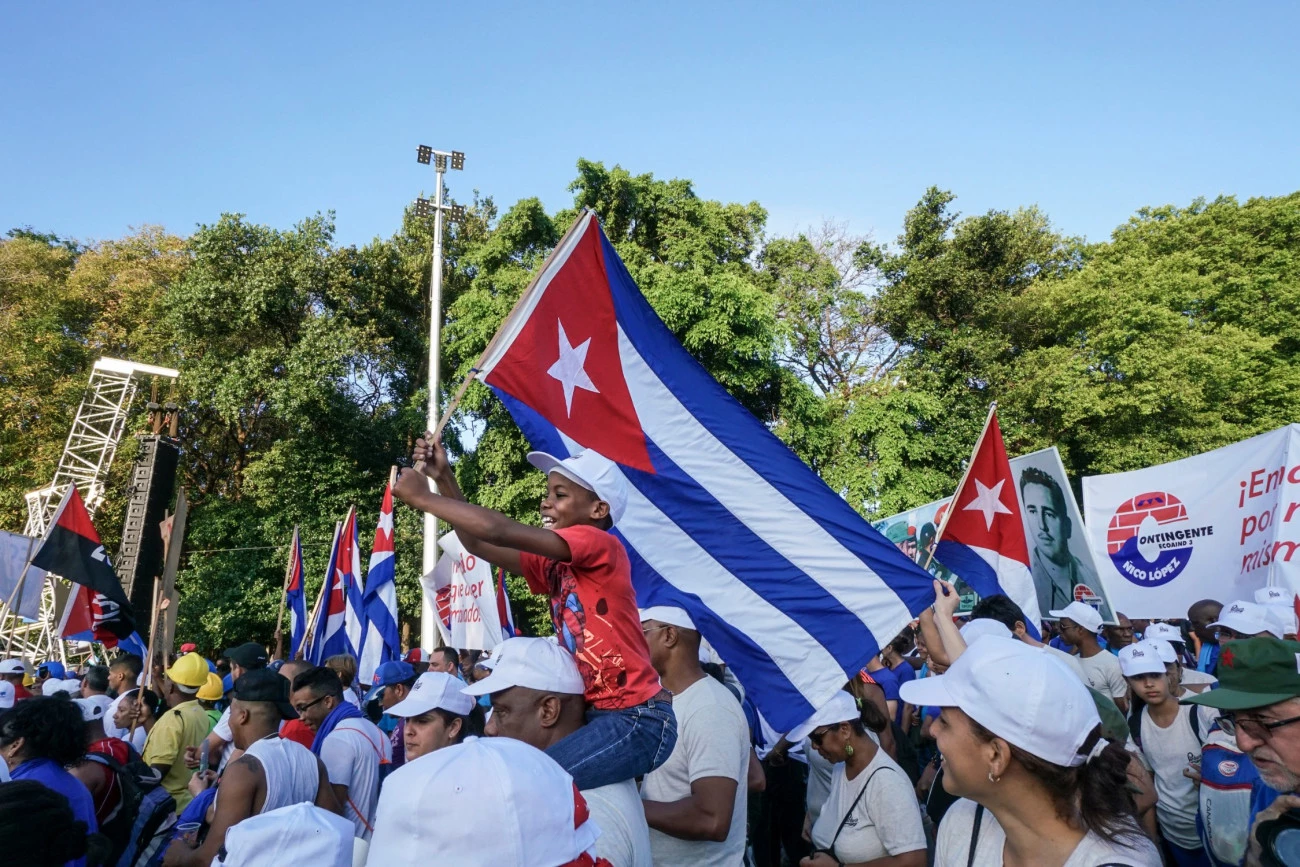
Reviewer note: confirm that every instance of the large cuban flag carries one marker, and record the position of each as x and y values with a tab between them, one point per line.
338	627
983	538
790	585
382	641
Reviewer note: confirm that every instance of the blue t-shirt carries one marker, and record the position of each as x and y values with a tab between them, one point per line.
50	774
888	682
904	672
1208	661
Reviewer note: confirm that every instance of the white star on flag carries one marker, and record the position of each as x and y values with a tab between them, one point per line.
989	501
569	369
386	523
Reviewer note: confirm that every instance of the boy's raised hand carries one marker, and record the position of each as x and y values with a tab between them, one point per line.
430	455
410	486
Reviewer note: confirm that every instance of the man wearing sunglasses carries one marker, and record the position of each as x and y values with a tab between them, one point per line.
1259	696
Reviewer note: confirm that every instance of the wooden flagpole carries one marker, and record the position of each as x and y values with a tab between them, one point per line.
315	611
284	594
952	504
153	632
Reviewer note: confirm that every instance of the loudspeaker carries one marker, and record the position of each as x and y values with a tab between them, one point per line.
140	560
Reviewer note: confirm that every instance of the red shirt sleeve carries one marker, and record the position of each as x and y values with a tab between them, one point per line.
590	548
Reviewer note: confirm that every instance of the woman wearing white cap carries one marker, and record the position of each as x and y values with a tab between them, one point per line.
437	714
1022	745
871	815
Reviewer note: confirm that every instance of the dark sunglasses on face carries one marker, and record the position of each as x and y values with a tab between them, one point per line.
816	737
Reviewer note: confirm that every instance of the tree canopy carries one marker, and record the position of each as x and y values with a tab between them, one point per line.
303	362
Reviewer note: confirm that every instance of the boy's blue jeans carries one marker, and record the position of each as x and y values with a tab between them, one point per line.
617	745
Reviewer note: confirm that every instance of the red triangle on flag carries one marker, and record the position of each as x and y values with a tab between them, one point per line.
985	511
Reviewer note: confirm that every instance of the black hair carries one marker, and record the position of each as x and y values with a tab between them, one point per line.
50	726
449	655
38	822
903	642
1098	788
132	662
96	678
1000	608
320	680
471	724
1035	476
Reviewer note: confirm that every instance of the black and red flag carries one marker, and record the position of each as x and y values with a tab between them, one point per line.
72	550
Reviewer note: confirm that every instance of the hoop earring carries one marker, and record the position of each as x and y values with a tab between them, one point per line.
993	779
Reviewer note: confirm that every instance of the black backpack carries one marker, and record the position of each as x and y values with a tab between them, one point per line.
1135	723
142	822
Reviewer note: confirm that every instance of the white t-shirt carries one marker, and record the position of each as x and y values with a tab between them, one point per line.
352	754
1103	674
885	821
957	827
135	737
712	741
624	835
222	730
1169	751
1069	659
819	779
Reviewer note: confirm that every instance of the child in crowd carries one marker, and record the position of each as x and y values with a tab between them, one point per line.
584	570
1170	736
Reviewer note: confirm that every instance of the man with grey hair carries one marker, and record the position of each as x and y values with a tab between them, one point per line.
1259	697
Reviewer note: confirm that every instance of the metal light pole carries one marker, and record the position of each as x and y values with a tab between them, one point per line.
423	207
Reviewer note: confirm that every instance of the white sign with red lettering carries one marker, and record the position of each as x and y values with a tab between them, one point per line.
1219	525
464	598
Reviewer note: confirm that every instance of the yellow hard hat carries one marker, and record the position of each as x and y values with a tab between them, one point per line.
212	690
190	670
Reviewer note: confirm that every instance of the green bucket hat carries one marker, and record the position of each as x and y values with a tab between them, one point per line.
1255	672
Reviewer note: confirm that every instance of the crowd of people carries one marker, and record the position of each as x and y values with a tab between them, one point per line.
970	739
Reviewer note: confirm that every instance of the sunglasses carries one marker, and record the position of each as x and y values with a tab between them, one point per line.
1258	729
1224	632
816	737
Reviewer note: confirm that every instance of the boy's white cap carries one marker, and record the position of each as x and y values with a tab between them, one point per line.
71	686
841	708
1026	697
13	666
1163	632
1273	596
1141	658
1163	648
1248	618
593	471
1081	613
6	695
433	689
983	627
534	663
94	707
670	615
298	834
497	801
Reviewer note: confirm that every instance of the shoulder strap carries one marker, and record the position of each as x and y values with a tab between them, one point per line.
1194	717
975	835
844	821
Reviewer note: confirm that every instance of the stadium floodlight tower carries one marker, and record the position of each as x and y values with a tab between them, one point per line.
424	208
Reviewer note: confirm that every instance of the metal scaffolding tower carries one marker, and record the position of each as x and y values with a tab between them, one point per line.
87	456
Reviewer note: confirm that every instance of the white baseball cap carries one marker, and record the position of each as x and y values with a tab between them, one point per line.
1286	618
1273	596
54	685
1163	632
983	627
1024	696
433	690
13	666
498	801
1081	613
534	663
1248	618
669	614
841	708
593	471
1141	658
94	707
301	833
6	695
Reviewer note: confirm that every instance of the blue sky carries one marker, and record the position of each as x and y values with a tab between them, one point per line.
118	115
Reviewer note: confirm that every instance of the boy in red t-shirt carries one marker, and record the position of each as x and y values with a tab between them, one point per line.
584	570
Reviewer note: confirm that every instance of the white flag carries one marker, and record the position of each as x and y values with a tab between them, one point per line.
15	550
464	599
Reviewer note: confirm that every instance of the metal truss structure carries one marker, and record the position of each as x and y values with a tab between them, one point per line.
87	457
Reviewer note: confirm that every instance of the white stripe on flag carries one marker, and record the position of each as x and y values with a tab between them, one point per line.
757	504
666	547
1016	581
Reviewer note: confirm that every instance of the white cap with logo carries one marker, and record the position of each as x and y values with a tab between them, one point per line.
1248	618
93	708
433	690
498	801
1024	696
1141	658
533	663
6	695
591	470
1081	613
1164	632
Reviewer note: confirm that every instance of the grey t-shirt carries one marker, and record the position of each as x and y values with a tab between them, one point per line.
624	836
1104	675
712	741
885	821
1093	851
